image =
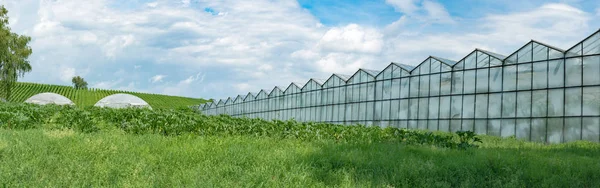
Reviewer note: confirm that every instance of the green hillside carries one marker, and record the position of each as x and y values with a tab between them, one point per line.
89	97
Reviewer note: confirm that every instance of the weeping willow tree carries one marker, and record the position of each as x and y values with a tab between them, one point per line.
14	52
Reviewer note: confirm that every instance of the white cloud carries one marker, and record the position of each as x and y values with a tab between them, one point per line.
198	77
352	38
426	11
157	78
67	74
111	84
153	4
437	12
404	6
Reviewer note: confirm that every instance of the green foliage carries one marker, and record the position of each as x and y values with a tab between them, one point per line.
467	139
79	83
88	97
14	52
173	122
109	158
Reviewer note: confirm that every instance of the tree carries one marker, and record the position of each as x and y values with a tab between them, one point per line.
13	55
79	82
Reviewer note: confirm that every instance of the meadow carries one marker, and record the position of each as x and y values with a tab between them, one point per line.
60	146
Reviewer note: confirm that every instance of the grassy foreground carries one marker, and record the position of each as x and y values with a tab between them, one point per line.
58	158
58	146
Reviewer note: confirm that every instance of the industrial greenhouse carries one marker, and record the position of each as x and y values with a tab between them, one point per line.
539	93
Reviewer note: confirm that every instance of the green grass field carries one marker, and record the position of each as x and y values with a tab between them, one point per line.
54	146
60	158
89	97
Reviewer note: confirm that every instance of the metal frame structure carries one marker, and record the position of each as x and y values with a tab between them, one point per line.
539	93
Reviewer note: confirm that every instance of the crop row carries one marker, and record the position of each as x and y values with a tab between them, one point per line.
88	97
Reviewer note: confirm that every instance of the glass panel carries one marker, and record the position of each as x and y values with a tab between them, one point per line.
423	108
481	107
555	130
511	59
434	85
508	127
538	130
395	88
467	125
555	54
539	103
395	109
434	107
424	86
540	75
387	89
508	104
494	127
524	76
524	104
470	61
404	88
457	82
591	70
404	109
556	73
483	59
422	124
432	125
414	86
591	101
572	129
414	109
510	78
482	80
444	125
385	110
468	106
378	110
469	81
412	124
495	79
523	129
455	125
591	129
524	54
592	45
446	80
540	52
573	72
480	127
575	51
379	90
573	101
444	107
495	105
456	107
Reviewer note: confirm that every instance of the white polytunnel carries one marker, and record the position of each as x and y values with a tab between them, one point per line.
49	98
122	100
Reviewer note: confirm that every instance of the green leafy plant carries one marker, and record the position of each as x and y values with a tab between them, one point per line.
467	139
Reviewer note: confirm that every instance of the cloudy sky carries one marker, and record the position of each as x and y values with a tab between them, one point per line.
216	49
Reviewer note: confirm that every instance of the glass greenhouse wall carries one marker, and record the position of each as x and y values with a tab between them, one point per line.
539	93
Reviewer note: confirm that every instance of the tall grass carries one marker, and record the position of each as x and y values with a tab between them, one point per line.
60	158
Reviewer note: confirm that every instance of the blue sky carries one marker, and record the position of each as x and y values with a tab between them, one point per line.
219	49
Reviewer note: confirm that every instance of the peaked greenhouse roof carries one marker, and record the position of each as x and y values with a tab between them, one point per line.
534	51
588	46
406	67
